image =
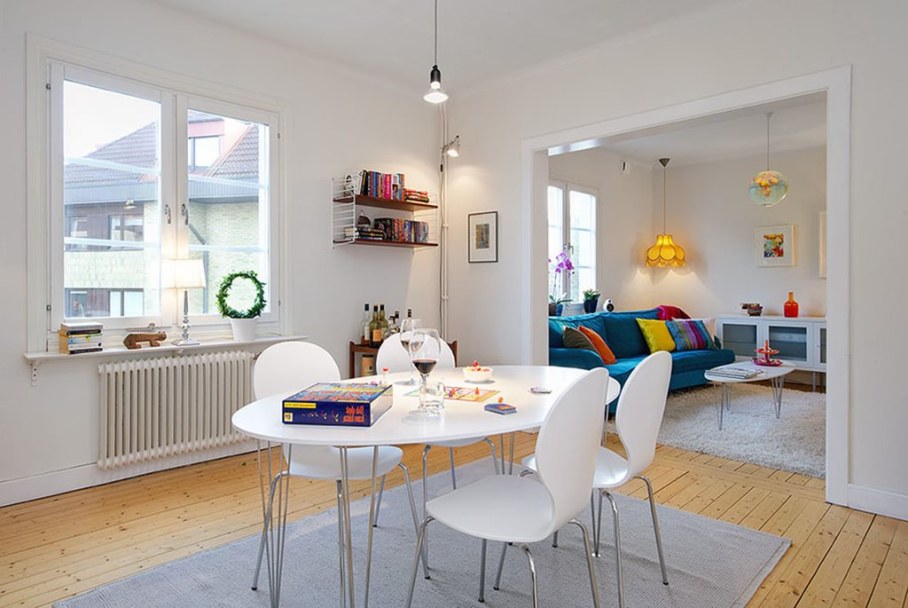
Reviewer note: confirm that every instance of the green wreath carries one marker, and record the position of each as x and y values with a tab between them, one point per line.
253	311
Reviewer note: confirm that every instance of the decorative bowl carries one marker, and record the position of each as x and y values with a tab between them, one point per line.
767	362
477	374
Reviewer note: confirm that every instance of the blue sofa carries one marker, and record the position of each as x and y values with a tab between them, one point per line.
623	336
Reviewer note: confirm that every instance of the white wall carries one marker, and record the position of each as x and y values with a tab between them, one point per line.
711	216
338	121
703	55
623	217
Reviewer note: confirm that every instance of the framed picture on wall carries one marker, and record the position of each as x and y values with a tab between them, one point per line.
775	245
482	236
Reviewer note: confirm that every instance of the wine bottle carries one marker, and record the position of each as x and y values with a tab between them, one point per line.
382	322
374	328
365	334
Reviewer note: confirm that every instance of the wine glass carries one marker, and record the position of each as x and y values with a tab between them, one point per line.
425	348
407	327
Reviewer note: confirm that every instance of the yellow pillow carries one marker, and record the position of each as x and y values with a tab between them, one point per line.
656	335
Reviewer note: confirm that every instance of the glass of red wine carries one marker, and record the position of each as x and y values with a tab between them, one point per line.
425	348
407	327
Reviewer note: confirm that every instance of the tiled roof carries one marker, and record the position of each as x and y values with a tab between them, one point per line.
85	184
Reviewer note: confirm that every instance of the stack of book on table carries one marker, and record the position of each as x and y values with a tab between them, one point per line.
79	338
740	373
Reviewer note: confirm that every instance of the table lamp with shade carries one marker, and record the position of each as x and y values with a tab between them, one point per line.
184	274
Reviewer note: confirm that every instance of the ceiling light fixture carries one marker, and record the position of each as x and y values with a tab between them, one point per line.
768	188
664	253
435	94
452	148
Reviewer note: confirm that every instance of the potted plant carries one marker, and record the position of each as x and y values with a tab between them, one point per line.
561	267
242	322
590	300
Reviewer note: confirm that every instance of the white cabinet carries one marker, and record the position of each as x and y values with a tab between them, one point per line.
799	340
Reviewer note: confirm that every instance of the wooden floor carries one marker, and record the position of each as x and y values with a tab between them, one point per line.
56	547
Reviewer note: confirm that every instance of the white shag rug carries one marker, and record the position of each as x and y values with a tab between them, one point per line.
750	431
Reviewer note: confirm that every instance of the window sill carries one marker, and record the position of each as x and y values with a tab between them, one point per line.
36	358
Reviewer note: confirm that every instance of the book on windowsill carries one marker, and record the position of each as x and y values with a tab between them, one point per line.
337	404
741	373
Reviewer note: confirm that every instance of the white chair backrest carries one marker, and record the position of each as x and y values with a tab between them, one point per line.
640	409
286	367
391	354
568	442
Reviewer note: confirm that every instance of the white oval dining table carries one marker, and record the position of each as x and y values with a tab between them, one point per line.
262	420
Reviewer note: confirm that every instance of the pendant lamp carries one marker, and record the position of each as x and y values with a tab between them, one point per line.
435	94
665	252
768	188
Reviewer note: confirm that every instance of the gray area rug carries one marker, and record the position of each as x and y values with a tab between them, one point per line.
750	431
710	564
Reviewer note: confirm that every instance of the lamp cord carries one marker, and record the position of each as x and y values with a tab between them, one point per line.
436	33
664	179
768	115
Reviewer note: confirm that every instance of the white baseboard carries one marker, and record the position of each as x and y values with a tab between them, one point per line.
85	476
878	501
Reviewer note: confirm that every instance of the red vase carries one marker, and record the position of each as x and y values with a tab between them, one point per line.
791	306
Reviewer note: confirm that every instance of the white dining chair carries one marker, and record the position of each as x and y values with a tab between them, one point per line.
638	417
287	367
515	509
393	356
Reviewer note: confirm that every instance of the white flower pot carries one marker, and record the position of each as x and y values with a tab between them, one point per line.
244	329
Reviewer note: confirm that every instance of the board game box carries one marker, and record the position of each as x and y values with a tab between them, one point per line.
337	404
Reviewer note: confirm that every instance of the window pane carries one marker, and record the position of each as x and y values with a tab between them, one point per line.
556	221
584	248
228	205
111	199
583	210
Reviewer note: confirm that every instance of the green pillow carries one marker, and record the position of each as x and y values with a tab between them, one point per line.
573	338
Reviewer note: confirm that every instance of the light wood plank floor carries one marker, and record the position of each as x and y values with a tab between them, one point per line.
56	547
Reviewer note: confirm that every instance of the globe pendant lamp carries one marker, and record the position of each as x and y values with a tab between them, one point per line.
435	94
768	188
665	252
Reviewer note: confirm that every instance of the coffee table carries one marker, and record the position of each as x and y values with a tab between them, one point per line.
775	375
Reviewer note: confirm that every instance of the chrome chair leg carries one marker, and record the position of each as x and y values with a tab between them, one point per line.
381	492
497	584
611	500
491	445
532	565
406	473
453	475
652	510
555	539
264	540
598	526
482	572
589	561
419	538
593	520
425	499
340	546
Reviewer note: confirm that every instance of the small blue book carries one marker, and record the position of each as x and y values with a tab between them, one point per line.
500	408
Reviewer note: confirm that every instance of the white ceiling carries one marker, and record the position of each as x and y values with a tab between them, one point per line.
484	40
478	40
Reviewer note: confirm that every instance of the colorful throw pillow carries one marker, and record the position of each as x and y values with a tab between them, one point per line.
608	357
575	339
690	334
670	313
656	335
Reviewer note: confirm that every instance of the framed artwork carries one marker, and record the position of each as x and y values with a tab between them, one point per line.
822	242
775	245
482	236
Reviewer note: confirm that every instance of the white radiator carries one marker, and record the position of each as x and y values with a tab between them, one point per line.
170	405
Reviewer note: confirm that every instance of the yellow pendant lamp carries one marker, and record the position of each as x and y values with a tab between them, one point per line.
665	252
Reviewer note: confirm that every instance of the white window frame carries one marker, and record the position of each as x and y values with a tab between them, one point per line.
566	189
45	218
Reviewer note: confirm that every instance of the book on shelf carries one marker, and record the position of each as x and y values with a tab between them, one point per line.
80	328
337	404
80	337
389	186
741	373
